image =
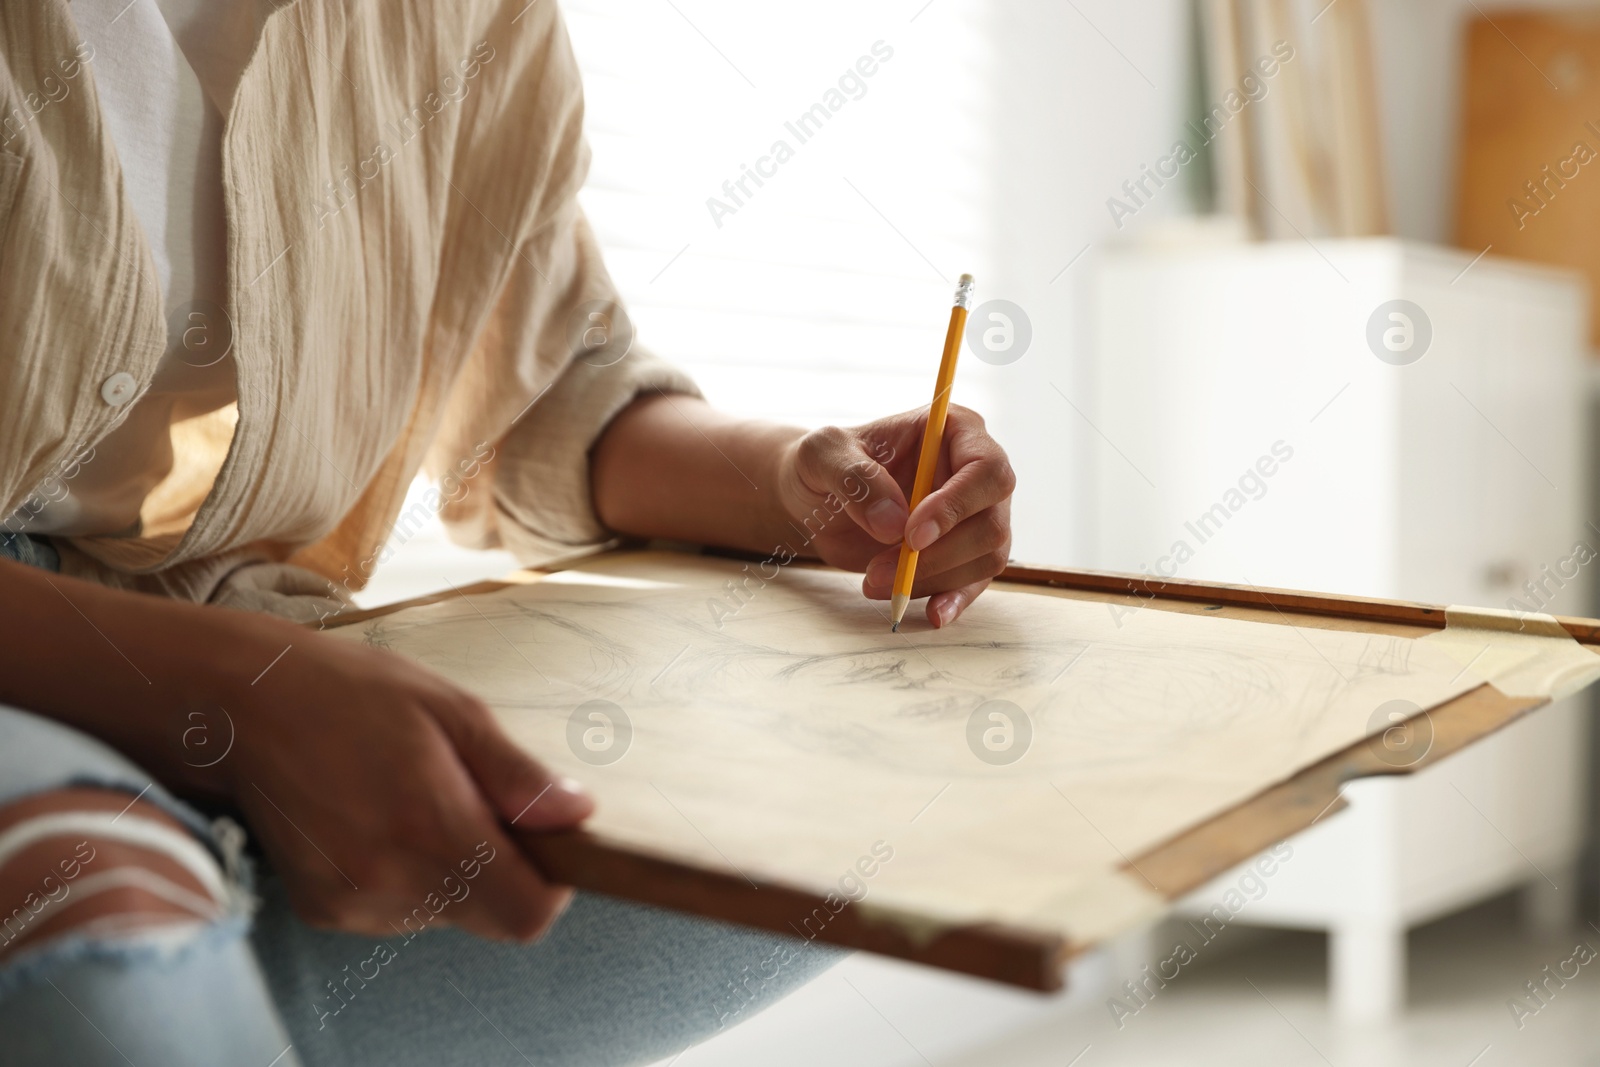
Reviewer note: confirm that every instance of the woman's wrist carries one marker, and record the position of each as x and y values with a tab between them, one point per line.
219	693
153	678
777	444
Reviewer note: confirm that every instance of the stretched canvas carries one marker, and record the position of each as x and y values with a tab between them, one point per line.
764	722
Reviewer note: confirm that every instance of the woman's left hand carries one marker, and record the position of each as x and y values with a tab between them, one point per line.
962	530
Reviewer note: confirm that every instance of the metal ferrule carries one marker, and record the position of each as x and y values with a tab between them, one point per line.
964	292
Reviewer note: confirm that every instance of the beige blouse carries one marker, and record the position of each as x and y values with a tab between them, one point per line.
411	286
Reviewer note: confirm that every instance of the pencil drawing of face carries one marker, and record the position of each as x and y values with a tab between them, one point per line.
1014	759
817	670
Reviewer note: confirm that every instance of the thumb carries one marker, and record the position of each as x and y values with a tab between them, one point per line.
522	791
834	461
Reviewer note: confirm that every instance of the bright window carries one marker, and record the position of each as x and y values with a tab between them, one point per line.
818	295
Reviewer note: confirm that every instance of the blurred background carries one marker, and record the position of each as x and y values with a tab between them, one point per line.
1359	231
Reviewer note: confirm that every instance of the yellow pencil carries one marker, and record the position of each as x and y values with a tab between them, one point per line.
932	436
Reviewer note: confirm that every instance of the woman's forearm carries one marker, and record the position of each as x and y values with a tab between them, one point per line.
675	467
339	757
129	668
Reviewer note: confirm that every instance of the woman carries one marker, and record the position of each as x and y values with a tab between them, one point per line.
260	262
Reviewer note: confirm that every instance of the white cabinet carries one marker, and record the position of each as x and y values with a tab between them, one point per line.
1454	478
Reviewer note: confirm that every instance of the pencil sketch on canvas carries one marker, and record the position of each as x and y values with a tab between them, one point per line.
1013	761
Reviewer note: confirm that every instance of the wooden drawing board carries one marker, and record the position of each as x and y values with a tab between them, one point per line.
1014	949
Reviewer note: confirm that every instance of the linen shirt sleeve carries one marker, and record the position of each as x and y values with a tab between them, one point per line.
554	361
557	363
542	484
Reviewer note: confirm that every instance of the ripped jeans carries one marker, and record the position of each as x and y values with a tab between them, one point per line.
611	983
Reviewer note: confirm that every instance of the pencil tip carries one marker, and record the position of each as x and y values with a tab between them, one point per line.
894	627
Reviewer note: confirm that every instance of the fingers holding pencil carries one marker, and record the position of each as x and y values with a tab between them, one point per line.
963	526
980	478
969	506
844	465
976	549
935	482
